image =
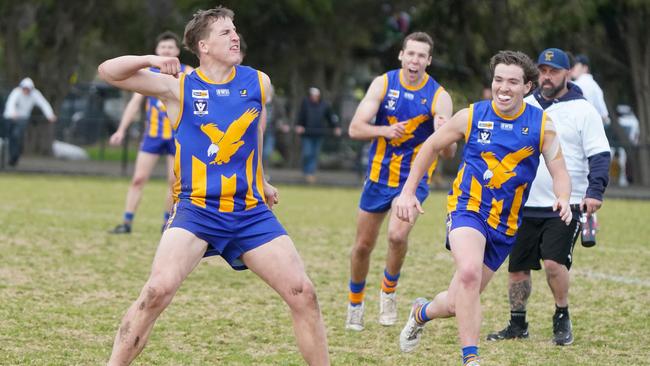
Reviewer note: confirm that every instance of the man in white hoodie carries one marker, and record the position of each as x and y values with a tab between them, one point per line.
543	235
17	111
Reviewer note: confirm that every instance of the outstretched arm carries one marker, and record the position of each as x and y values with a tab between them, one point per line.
360	127
407	205
552	152
129	72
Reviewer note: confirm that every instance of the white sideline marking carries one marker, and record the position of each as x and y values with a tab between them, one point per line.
614	278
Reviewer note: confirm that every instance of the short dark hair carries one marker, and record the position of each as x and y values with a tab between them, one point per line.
519	59
199	27
419	37
167	35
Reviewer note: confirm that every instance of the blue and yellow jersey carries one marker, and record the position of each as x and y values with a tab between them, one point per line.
217	163
157	124
499	163
390	161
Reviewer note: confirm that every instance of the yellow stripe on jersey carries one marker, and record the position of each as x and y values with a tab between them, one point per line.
167	129
432	168
180	101
435	100
508	118
383	93
452	200
251	201
227	197
262	91
176	188
205	77
375	168
541	132
495	213
406	86
394	170
469	122
475	196
514	209
259	178
199	182
153	121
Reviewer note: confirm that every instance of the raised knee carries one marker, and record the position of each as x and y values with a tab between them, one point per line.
156	296
470	276
302	295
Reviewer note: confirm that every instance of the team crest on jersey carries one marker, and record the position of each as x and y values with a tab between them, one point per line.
484	136
390	104
488	125
243	93
506	126
409	96
423	101
225	144
200	107
393	93
200	94
223	92
500	171
524	130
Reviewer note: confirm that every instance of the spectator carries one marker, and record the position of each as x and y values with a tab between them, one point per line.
314	121
590	89
17	111
630	124
275	122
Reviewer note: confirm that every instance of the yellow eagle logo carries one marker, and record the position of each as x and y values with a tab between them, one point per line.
225	145
411	125
499	172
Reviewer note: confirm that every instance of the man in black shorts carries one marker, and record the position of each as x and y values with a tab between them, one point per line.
543	235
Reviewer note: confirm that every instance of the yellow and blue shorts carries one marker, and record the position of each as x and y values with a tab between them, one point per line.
228	235
158	146
497	244
377	197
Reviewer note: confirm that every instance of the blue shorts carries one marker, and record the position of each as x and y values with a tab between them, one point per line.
158	146
377	197
228	234
497	244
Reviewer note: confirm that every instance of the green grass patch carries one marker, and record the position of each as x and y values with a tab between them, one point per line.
65	284
112	153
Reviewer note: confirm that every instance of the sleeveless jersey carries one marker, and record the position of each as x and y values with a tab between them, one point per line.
389	161
157	124
217	163
499	163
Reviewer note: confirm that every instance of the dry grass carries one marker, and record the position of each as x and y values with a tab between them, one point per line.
64	284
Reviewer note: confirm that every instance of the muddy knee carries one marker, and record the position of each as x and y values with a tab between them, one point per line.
155	297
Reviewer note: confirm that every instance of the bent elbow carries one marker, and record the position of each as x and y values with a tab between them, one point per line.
352	132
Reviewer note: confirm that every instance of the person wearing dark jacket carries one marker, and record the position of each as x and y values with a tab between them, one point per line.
315	121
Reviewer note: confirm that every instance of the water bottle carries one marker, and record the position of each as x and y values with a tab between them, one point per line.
589	227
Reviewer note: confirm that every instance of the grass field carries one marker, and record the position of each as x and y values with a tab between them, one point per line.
65	283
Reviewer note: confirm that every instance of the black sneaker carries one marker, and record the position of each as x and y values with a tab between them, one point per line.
562	330
121	229
512	331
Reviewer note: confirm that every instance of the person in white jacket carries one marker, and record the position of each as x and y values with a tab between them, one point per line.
543	235
18	109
